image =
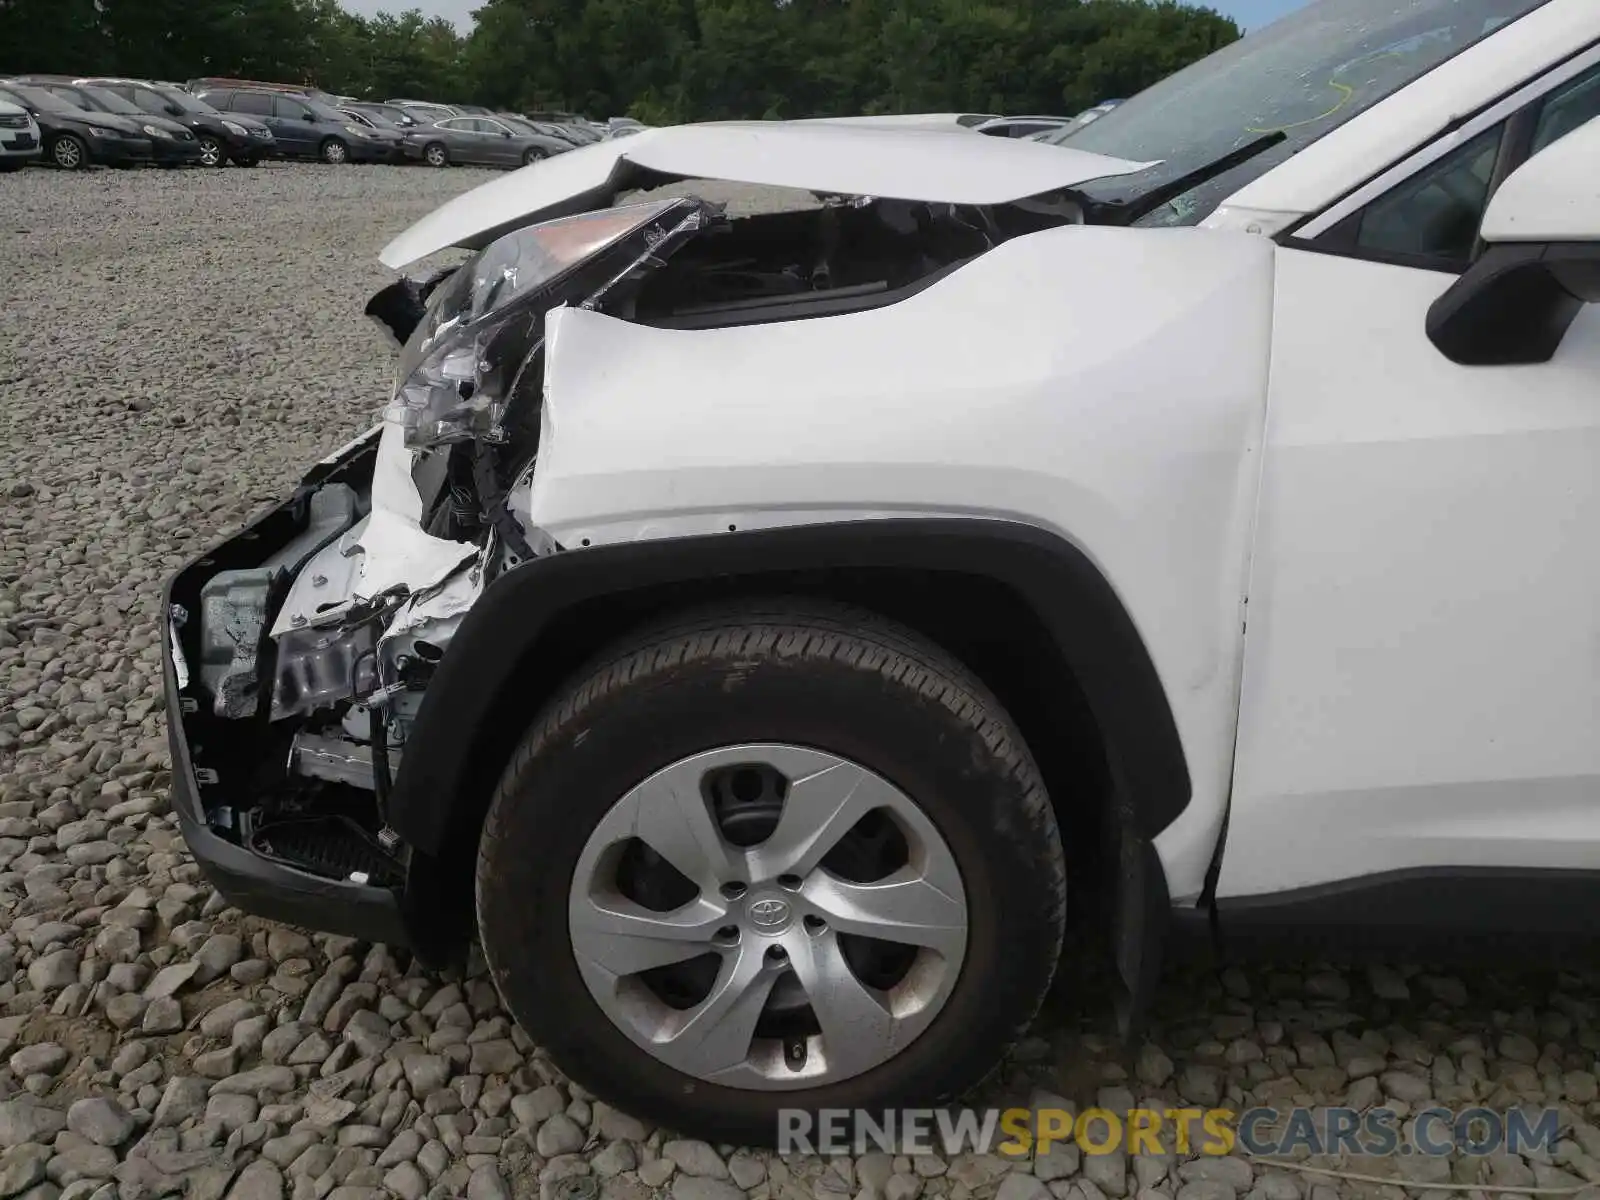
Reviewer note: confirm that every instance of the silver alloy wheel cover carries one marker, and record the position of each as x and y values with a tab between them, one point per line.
334	152
210	152
67	153
436	155
922	904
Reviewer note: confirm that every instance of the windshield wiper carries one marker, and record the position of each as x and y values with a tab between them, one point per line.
1126	212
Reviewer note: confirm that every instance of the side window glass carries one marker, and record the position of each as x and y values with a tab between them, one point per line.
1574	104
1434	216
148	100
250	102
289	109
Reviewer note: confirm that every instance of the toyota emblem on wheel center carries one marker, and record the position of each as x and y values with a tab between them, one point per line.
769	915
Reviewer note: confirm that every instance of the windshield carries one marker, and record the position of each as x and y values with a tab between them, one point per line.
39	98
186	102
395	116
1304	75
111	102
324	111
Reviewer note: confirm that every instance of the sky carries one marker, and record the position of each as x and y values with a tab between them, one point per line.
1251	14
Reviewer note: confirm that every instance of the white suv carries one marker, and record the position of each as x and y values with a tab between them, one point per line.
19	138
755	630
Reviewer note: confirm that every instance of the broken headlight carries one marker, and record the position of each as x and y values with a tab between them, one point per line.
462	365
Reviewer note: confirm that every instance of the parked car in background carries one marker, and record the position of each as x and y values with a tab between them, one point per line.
933	121
19	137
303	127
562	133
73	138
559	118
172	144
425	112
1094	114
473	110
618	127
579	130
392	113
196	86
486	142
223	138
403	144
1022	127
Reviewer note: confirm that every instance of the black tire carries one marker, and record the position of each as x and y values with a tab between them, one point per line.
532	155
334	152
212	152
436	154
69	153
815	675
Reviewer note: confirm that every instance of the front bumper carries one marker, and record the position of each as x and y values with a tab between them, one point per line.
370	152
120	152
219	765
172	152
24	144
249	146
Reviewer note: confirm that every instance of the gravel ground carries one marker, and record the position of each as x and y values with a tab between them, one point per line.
174	350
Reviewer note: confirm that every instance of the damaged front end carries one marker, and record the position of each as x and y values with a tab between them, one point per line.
298	652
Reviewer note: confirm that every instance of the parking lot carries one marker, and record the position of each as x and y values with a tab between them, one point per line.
174	351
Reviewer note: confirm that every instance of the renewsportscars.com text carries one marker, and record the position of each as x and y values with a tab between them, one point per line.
1258	1132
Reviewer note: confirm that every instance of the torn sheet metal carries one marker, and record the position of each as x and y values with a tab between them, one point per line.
385	551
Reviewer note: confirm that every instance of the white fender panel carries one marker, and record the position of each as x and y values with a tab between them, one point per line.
1105	384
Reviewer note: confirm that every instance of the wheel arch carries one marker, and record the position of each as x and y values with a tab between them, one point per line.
1024	609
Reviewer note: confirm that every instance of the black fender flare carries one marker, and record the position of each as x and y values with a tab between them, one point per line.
457	747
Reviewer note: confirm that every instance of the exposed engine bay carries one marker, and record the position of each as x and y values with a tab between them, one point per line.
310	664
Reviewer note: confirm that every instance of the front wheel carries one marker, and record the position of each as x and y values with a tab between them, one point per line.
436	155
768	857
334	152
212	153
532	155
69	153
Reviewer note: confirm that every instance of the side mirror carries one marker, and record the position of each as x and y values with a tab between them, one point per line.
505	133
1541	266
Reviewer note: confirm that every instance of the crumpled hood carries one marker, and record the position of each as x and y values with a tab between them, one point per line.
852	160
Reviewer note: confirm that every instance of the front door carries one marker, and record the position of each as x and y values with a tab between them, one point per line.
503	149
1421	681
295	125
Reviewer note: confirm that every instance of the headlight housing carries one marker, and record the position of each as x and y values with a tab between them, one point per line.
152	131
463	364
100	131
236	130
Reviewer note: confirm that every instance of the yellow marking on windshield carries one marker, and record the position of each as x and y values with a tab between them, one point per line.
1347	93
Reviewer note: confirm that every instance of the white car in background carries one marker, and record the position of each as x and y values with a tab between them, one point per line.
20	143
754	630
1024	127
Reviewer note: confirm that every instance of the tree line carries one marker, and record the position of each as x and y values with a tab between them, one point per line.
658	60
